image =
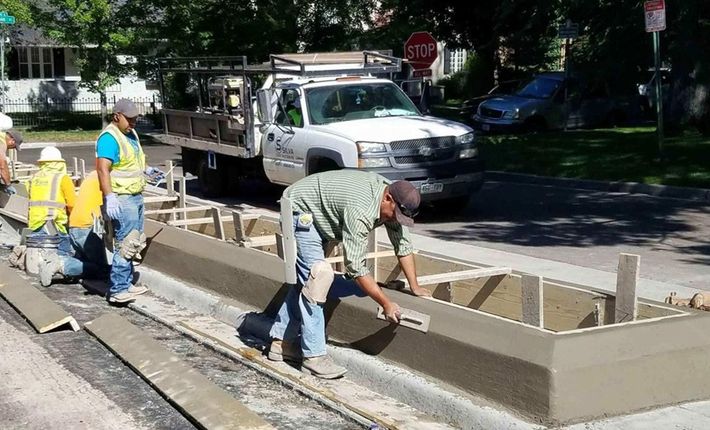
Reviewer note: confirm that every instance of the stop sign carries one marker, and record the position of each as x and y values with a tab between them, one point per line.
421	50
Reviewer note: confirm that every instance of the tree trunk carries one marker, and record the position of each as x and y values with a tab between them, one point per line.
104	110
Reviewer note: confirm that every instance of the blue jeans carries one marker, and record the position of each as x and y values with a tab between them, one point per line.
297	314
89	259
131	218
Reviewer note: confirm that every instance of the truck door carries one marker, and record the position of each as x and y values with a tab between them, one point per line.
283	140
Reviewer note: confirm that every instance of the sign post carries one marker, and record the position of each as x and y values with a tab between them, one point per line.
5	19
567	31
655	17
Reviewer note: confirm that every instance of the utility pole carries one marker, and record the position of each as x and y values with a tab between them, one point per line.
655	17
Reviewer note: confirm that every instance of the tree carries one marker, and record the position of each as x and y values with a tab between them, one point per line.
102	33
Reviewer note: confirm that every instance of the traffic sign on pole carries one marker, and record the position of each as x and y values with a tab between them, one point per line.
655	14
568	30
421	50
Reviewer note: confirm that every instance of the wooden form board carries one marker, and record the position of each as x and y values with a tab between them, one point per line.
627	278
209	406
41	312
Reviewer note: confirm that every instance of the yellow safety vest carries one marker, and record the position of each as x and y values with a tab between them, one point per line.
47	202
127	175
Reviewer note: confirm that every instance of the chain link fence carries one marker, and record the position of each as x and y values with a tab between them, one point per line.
75	113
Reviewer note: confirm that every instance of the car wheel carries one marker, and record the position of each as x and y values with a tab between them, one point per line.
534	125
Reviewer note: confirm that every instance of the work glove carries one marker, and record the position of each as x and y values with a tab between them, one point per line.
113	207
10	190
154	175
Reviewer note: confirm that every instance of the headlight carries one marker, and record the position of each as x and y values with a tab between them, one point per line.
468	153
511	114
464	139
370	147
373	163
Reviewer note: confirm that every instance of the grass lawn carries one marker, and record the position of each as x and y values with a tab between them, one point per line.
60	136
620	154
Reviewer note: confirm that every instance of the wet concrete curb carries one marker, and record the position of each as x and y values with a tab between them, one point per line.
663	191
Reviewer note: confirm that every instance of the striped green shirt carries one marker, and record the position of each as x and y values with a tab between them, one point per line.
346	207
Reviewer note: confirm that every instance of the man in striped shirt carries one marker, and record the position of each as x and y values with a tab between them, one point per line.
345	206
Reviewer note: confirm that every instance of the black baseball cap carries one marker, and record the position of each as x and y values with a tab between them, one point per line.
407	200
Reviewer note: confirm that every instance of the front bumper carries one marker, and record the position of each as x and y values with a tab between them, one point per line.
492	125
457	179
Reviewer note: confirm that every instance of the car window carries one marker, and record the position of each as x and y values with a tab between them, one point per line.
540	88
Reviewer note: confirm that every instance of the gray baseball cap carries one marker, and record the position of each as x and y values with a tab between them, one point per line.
17	136
127	108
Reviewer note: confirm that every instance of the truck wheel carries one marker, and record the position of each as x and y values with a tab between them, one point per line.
323	165
453	204
211	183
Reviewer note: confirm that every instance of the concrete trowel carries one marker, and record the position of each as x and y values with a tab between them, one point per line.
409	318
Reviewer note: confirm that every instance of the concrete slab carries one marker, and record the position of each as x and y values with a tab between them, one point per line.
196	396
42	313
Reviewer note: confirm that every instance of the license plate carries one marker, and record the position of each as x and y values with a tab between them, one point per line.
485	127
436	187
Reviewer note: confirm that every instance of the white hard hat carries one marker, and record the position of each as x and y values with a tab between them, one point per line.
50	153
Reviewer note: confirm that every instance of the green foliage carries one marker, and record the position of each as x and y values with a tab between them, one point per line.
100	31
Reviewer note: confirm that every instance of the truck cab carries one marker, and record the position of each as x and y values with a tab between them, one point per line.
369	123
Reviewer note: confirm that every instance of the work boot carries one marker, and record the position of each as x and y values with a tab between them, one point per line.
52	266
323	367
122	297
138	289
281	350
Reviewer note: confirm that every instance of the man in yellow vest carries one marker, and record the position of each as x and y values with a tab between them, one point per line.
89	259
121	167
51	195
10	139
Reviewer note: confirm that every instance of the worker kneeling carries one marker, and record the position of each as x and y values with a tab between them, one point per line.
53	207
340	206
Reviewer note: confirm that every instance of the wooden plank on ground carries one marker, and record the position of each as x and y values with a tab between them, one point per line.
532	299
41	312
627	277
197	221
191	392
176	210
218	225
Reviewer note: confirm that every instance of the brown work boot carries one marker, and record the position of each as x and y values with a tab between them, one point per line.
281	350
323	367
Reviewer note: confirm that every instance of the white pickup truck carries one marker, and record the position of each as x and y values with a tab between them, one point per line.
315	113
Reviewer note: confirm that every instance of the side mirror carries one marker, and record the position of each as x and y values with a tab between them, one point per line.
266	102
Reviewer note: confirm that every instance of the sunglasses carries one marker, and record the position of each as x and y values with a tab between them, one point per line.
411	213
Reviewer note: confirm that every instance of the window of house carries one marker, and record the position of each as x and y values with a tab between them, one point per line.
36	63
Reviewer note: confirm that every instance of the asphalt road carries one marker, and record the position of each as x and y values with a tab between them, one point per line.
584	228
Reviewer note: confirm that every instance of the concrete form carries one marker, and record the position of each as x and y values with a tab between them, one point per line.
42	313
578	364
197	397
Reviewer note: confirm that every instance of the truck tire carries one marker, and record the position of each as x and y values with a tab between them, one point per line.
212	184
453	205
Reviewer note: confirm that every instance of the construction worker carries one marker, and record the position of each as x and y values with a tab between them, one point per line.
10	139
295	115
121	168
51	198
344	206
89	255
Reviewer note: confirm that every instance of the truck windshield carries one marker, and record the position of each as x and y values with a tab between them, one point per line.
357	101
540	88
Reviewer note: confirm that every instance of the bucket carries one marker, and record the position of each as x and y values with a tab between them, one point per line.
38	248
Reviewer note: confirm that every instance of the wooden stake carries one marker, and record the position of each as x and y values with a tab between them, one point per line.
627	277
218	226
182	198
532	300
170	178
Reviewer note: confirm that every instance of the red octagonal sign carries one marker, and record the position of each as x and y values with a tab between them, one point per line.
421	50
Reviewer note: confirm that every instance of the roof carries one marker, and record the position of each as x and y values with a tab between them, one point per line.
22	35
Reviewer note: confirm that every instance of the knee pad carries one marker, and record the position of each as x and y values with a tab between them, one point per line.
319	282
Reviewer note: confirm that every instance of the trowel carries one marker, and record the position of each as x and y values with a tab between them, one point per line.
408	318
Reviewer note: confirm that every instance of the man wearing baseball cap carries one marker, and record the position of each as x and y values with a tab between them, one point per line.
10	139
344	206
121	168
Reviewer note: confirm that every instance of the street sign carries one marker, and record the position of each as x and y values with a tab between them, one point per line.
6	19
421	73
421	50
655	14
568	30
